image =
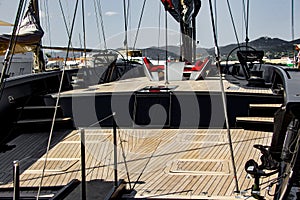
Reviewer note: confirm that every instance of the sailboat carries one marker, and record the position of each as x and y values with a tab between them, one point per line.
25	78
184	130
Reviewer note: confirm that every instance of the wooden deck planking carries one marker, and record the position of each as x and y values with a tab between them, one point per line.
240	155
238	147
150	155
213	183
135	84
152	178
243	183
213	142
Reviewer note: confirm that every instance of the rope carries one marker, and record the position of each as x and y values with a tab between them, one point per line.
159	22
244	13
139	25
83	29
233	24
125	161
293	31
10	53
65	22
216	17
247	23
97	21
166	32
46	22
217	52
97	5
293	27
56	105
11	46
102	25
125	27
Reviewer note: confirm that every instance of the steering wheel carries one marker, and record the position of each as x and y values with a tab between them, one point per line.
235	69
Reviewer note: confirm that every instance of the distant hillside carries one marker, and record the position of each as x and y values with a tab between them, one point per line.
273	48
173	51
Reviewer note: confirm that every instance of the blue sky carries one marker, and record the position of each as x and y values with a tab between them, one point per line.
266	18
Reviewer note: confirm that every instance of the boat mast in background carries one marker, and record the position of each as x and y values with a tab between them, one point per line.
39	62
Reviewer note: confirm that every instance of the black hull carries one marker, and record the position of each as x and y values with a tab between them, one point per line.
28	90
180	109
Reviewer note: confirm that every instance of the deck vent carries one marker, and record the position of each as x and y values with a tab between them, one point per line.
160	88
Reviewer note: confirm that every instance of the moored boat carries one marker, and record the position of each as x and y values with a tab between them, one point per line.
175	133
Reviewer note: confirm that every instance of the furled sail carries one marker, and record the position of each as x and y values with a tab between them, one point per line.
185	12
182	10
29	35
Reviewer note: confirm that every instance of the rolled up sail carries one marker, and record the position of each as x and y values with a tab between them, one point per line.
185	12
29	35
182	10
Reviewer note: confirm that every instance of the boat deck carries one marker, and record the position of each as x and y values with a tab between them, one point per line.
164	163
210	84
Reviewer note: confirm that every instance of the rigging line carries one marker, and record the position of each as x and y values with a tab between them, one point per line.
233	24
16	38
97	21
46	20
84	30
65	22
166	32
292	13
159	22
216	17
125	161
293	31
49	25
56	104
244	13
139	25
147	163
103	119
102	24
11	45
10	51
64	17
217	52
128	15
125	27
247	23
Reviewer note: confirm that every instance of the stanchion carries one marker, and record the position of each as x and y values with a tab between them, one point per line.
16	195
83	178
115	153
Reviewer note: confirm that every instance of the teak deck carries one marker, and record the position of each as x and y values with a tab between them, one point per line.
136	84
166	163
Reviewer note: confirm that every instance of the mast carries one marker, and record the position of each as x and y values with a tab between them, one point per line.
185	12
197	6
38	56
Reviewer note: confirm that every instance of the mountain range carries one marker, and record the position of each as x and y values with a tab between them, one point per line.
272	47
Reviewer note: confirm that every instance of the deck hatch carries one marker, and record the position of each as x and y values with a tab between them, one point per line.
160	88
200	167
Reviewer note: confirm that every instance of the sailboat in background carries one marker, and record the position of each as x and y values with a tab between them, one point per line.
24	76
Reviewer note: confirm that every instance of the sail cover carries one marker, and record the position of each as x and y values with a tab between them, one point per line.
182	9
29	35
